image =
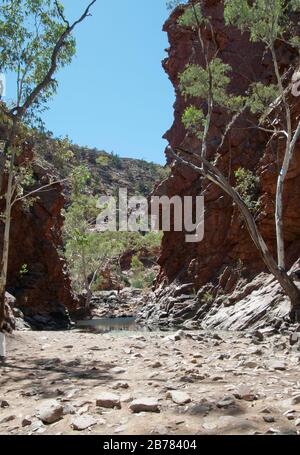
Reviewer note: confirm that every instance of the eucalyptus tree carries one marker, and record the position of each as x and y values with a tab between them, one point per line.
36	40
266	21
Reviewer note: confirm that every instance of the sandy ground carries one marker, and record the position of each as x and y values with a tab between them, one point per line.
236	385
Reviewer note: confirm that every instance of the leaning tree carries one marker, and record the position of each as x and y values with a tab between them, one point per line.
36	40
266	21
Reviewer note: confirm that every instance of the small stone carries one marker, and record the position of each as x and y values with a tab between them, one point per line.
295	400
257	336
269	419
83	422
156	365
144	405
69	409
294	338
179	397
7	419
266	411
120	385
216	336
250	364
117	370
50	411
276	365
217	378
108	400
187	379
245	393
26	422
200	409
4	404
226	402
178	335
139	345
209	426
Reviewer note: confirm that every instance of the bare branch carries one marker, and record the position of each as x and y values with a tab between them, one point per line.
61	14
228	128
295	139
213	174
20	111
38	190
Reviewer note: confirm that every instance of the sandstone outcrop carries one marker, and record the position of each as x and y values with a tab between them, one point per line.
227	255
37	275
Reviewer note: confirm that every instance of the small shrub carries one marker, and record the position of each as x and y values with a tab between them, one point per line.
208	297
138	283
103	160
24	270
115	160
247	186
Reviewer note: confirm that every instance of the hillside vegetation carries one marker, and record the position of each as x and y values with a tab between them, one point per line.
105	260
108	171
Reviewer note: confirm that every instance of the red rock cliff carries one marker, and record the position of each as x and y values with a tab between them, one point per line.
36	241
227	246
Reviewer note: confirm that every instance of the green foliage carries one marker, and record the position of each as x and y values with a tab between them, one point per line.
29	31
115	160
143	281
103	160
208	297
79	179
138	283
192	17
143	188
24	270
261	97
87	251
247	186
194	120
164	172
210	84
140	278
295	41
136	264
57	151
266	20
199	82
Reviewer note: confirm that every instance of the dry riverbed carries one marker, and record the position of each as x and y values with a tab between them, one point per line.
188	383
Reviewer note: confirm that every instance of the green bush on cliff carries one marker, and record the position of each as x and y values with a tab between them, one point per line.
247	184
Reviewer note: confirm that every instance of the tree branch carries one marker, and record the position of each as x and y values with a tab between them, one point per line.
38	190
20	111
61	14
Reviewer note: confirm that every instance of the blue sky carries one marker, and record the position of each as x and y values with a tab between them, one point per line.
115	95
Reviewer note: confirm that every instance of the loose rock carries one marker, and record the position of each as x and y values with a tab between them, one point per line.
108	400
145	405
179	397
49	412
83	422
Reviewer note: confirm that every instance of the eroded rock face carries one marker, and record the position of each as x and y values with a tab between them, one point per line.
44	287
227	254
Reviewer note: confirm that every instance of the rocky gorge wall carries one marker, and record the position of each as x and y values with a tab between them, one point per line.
43	290
218	269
